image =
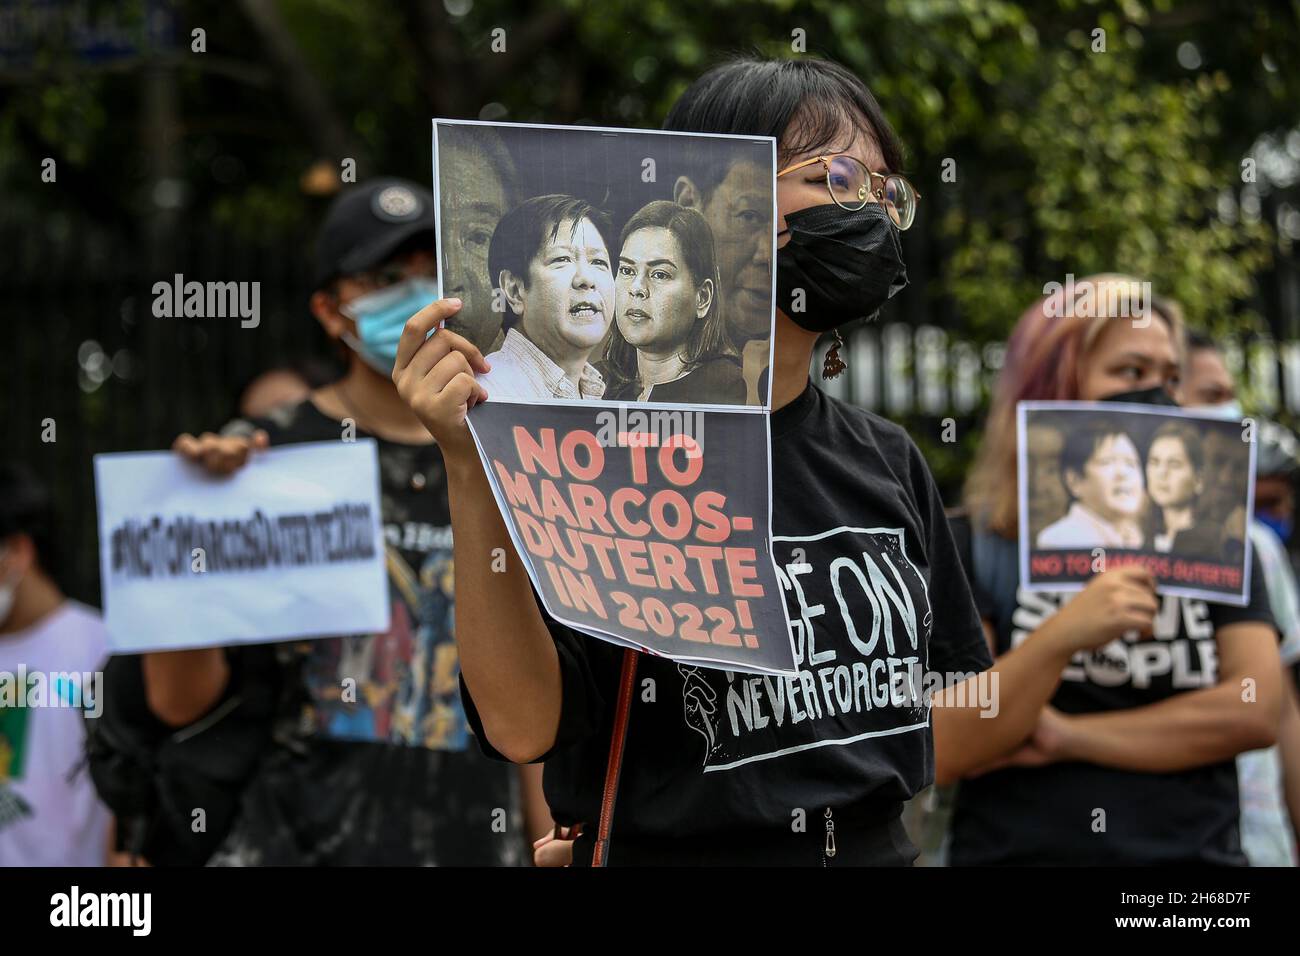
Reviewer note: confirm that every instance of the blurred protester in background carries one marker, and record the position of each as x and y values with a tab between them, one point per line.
49	813
278	385
1132	761
270	389
329	791
1208	383
1269	778
1206	380
1275	483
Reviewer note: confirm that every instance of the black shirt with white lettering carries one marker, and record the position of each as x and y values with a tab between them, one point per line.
1083	813
729	768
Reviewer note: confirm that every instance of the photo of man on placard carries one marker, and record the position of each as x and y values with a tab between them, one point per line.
1102	473
479	181
552	265
734	195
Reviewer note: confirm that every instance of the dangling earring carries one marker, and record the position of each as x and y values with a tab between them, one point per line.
834	364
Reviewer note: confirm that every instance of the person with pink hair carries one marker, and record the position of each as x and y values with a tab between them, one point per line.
1131	761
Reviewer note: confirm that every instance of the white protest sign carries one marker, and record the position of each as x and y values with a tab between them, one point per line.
290	546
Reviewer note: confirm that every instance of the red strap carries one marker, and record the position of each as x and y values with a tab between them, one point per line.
626	682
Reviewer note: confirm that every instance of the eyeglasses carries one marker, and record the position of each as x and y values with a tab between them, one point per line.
852	185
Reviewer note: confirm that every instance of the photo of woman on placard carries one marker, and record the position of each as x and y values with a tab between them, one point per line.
1175	482
1102	472
669	341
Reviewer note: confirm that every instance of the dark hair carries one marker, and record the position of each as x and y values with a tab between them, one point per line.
757	96
1197	340
26	508
1082	442
530	225
708	336
1186	434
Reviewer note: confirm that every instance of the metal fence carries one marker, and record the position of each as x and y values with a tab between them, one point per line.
92	369
902	369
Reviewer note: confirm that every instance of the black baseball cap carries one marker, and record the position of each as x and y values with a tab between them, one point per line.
368	223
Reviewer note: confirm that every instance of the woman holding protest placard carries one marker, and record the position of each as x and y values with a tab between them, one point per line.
1132	760
724	768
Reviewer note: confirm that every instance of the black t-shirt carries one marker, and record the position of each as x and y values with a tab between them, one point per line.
387	774
722	767
1050	815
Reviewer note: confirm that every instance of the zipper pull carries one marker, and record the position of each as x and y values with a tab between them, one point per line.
830	834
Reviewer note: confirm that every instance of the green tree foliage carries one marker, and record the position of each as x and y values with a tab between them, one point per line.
1067	157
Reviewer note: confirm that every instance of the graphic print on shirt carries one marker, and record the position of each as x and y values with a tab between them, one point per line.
402	686
861	617
13	752
1181	655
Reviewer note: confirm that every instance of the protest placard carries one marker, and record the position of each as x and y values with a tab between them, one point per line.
660	546
290	546
1106	484
625	433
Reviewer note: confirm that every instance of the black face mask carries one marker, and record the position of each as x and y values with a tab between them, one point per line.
1156	395
847	264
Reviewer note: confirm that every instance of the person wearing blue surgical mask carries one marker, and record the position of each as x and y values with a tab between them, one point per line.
390	776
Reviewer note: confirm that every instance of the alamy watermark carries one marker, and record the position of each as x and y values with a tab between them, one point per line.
1088	299
208	300
627	427
968	689
74	908
82	690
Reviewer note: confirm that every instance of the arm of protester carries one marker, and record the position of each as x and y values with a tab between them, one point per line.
537	814
981	720
554	849
182	686
1186	730
1288	745
508	660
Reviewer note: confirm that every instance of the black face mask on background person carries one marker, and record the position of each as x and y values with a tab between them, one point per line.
848	264
1156	395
